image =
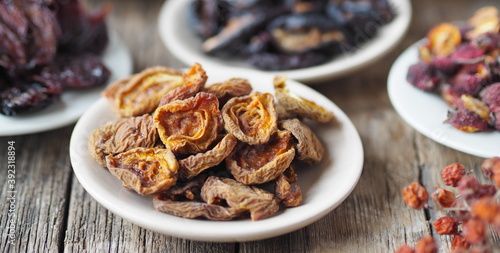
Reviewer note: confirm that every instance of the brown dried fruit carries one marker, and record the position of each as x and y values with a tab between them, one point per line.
260	203
415	195
452	173
309	147
146	170
446	226
122	135
252	119
142	92
226	90
443	197
485	20
426	245
189	126
474	231
195	164
477	106
298	105
257	164
194	79
284	192
443	39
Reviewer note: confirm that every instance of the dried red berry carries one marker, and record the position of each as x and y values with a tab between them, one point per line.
404	249
426	245
446	226
474	231
491	166
443	197
486	190
415	195
486	209
469	187
452	173
459	243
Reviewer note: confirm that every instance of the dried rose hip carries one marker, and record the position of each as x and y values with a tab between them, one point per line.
189	126
142	92
252	119
452	173
443	197
491	166
426	244
469	188
486	209
446	226
474	231
257	164
459	243
415	195
146	170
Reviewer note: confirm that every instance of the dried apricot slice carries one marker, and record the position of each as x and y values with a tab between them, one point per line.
443	39
309	148
195	164
260	203
121	135
293	103
142	92
194	79
289	197
233	87
189	126
257	164
145	170
252	118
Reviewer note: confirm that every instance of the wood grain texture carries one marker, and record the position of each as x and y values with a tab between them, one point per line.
55	214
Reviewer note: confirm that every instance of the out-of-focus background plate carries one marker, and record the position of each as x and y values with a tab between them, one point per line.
186	46
73	103
426	112
324	186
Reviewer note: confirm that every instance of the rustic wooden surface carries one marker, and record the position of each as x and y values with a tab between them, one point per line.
55	214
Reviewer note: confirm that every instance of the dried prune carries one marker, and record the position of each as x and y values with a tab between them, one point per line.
189	126
298	105
143	91
146	170
122	135
252	118
195	164
23	98
257	164
280	61
309	148
260	203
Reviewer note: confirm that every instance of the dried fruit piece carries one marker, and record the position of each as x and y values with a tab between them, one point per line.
195	164
143	91
446	226
189	126
284	192
226	90
404	249
122	135
423	76
491	167
252	119
298	105
469	188
459	243
485	20
194	79
146	170
426	244
309	147
415	195
474	231
467	121
257	164
260	203
477	106
443	197
491	95
452	173
486	209
443	39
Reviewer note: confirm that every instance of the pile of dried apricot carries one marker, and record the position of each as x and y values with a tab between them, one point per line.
461	63
208	151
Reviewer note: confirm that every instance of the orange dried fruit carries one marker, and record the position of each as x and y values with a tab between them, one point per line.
252	118
142	92
477	106
189	126
295	104
194	79
485	20
309	147
443	39
257	164
228	89
145	170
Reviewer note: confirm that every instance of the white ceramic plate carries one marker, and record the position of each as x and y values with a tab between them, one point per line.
186	46
324	186
73	103
426	112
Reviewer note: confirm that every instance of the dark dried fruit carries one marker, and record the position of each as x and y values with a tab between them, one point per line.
467	121
24	98
423	76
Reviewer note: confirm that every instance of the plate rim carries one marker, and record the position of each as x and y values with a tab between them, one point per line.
387	39
254	232
441	133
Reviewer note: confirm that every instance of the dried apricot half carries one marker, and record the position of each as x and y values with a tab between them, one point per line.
443	39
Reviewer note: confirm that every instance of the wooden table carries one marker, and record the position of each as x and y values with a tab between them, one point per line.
55	214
